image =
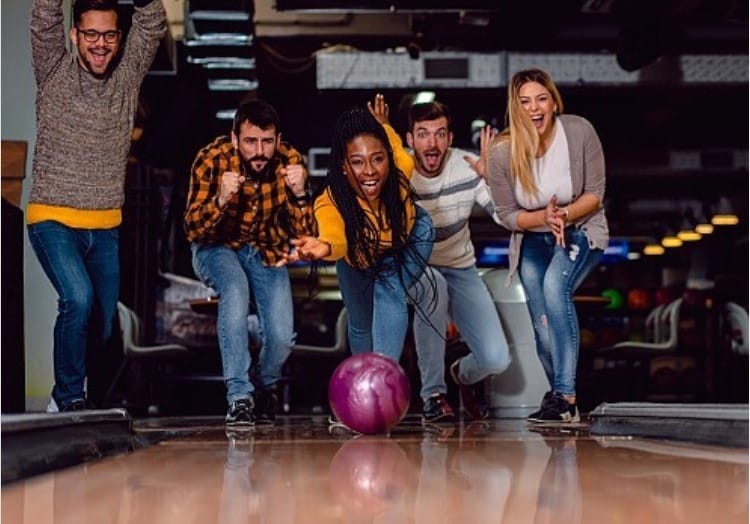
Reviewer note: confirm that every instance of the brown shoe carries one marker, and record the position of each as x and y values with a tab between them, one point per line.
468	395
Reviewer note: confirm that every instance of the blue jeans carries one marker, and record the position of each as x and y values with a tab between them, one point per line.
83	266
376	305
550	275
461	295
234	275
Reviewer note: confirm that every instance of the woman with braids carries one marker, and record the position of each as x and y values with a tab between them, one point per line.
370	226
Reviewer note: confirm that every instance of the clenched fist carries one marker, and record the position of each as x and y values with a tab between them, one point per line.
229	185
295	176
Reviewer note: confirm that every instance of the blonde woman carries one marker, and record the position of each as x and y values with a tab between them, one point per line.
546	173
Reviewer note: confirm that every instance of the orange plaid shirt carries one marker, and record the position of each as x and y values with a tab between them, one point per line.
264	213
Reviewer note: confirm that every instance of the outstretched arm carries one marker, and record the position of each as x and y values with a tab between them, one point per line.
305	248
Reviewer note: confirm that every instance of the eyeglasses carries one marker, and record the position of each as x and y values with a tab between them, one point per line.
92	35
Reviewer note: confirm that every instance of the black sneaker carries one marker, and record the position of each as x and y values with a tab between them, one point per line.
468	395
559	410
76	405
266	401
437	409
533	417
240	413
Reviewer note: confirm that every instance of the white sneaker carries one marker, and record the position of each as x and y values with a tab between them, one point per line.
52	406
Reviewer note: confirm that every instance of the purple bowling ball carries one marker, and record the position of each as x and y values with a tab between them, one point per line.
369	393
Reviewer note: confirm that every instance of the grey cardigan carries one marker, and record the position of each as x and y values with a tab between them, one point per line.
587	171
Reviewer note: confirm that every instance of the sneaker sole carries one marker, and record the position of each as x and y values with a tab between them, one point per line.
241	424
238	432
571	421
341	429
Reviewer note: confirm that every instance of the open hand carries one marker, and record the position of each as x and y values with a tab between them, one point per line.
379	109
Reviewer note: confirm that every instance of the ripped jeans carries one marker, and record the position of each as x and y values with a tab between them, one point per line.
550	275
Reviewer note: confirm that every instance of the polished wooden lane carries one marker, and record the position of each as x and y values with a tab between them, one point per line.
299	471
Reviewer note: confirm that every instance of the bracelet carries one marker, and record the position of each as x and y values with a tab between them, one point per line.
300	200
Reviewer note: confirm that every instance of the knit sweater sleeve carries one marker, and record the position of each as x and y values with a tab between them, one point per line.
47	37
148	28
501	188
594	165
330	226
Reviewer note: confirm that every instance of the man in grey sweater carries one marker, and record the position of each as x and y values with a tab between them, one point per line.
86	105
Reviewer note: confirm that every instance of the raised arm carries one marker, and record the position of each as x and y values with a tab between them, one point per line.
403	159
148	28
48	38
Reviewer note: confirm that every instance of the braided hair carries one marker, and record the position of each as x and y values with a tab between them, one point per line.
364	250
362	231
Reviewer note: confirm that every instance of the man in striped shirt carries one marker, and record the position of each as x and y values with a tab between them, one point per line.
449	183
249	194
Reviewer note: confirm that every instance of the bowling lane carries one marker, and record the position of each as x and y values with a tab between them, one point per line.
495	471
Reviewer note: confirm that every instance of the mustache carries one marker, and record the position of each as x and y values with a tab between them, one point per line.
258	157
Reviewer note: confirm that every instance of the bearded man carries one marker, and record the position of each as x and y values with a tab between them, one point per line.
249	194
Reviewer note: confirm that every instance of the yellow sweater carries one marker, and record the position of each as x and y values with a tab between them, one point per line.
331	223
73	217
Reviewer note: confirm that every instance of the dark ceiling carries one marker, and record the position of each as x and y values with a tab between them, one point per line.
644	127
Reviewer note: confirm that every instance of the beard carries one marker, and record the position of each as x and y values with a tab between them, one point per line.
255	173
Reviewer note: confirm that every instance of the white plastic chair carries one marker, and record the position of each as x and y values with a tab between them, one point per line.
133	351
339	347
666	332
737	319
339	343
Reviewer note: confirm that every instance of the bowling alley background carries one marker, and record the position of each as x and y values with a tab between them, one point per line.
665	86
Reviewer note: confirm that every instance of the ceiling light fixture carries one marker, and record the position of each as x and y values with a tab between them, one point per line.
670	239
686	232
653	250
703	224
423	97
725	215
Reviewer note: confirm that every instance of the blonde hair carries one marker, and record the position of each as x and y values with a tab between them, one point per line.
523	136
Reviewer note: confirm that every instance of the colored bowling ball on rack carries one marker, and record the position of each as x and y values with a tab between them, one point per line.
369	393
588	339
639	299
616	299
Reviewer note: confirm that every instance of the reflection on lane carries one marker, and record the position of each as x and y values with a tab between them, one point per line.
482	472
